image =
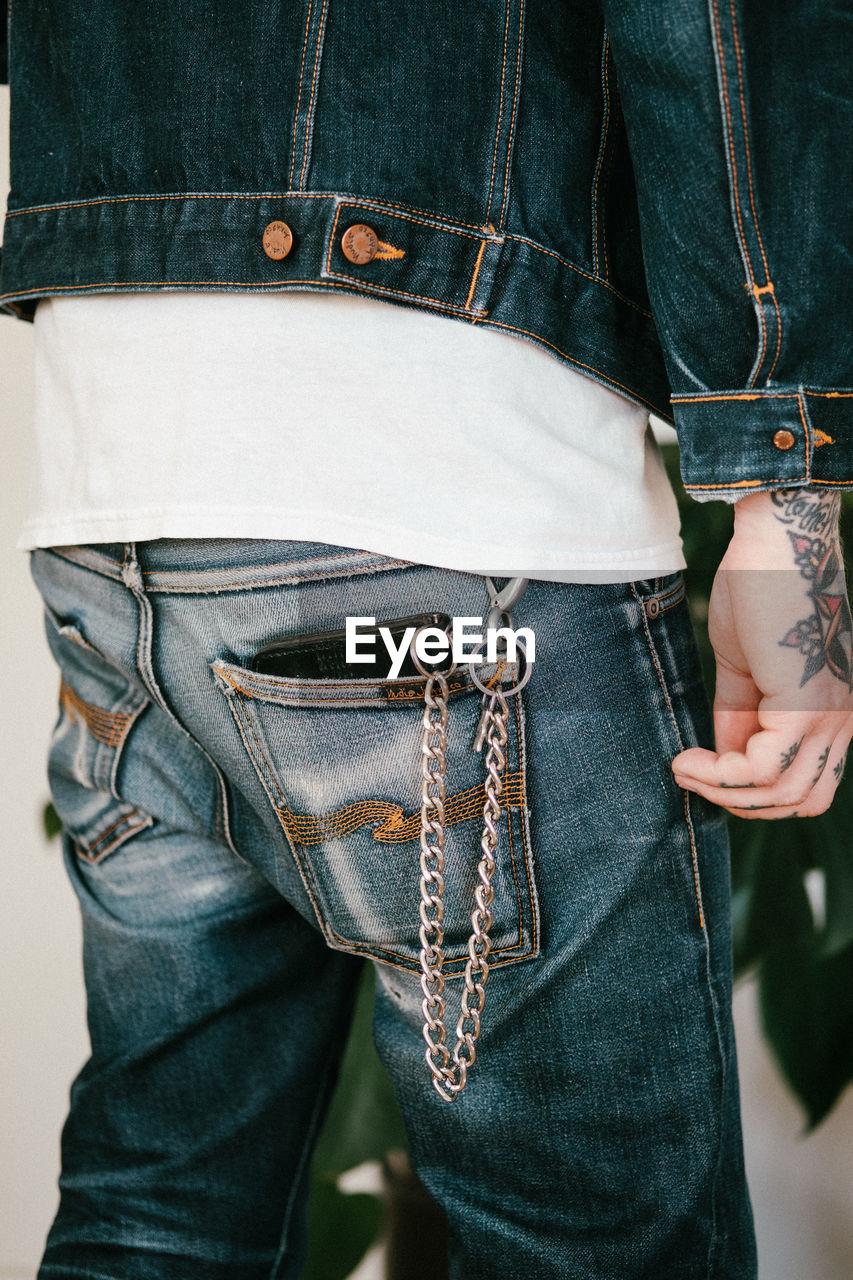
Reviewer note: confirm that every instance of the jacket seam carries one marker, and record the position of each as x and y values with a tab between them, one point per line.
367	202
768	285
500	112
299	93
755	290
309	122
580	271
512	122
602	151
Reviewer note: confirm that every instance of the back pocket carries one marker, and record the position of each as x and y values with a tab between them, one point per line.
340	761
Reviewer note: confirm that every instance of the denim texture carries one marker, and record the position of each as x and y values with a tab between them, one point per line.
239	842
656	191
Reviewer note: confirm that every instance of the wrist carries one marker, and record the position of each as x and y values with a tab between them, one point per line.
805	509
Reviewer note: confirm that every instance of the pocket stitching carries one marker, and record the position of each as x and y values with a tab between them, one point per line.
691	833
454	967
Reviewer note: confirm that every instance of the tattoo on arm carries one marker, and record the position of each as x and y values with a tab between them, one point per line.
825	638
789	756
839	768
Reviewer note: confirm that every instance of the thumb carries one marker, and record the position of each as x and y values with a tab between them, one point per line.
736	704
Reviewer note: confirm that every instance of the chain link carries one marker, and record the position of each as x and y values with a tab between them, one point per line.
449	1075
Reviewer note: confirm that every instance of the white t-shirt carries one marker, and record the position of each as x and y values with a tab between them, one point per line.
345	420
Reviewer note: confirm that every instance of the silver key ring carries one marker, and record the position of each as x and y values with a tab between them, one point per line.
432	671
493	692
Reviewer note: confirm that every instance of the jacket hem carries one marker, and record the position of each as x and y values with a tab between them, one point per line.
215	241
733	442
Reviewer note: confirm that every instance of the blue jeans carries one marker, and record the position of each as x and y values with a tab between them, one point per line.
238	841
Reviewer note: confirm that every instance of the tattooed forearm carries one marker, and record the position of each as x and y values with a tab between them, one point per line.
838	768
810	511
789	756
825	638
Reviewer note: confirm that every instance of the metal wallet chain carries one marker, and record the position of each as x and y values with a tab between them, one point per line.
450	1072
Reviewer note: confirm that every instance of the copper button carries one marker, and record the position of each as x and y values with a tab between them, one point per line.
278	240
784	440
359	244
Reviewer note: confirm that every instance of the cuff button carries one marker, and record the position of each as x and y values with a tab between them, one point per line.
784	440
359	244
277	240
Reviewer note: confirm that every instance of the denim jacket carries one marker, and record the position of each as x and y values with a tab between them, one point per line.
655	191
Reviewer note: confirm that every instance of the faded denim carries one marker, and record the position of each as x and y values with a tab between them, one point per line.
238	842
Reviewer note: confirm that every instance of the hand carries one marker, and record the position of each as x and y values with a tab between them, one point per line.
780	626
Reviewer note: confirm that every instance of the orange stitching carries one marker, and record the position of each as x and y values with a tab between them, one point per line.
389	251
730	138
299	95
746	145
513	328
231	195
435	222
514	106
802	410
750	484
831	395
595	279
500	115
347	944
736	192
821	438
94	854
474	277
321	27
735	395
395	826
107	727
410	684
59	206
691	835
666	698
605	126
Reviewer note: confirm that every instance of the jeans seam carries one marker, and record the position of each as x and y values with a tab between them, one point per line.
721	1055
132	578
307	1147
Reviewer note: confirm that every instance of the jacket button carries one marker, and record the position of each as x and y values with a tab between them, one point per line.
784	440
359	244
278	240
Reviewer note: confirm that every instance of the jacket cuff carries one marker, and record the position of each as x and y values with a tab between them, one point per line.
736	442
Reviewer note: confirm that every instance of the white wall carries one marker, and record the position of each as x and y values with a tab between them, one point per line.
802	1189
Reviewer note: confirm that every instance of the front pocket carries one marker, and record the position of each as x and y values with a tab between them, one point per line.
340	761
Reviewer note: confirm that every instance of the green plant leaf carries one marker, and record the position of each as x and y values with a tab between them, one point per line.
807	1016
363	1120
341	1228
830	837
770	903
51	821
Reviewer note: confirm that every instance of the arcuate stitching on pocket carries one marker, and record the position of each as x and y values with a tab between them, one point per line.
350	817
114	835
108	727
691	833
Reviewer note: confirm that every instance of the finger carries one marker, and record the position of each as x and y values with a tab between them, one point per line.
733	728
823	793
797	769
768	753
